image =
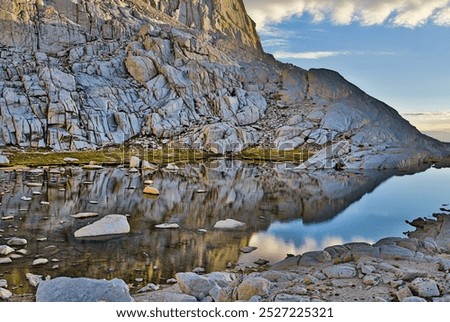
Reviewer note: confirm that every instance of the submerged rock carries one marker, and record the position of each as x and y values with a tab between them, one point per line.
33	279
5	294
65	289
108	225
6	250
40	261
15	241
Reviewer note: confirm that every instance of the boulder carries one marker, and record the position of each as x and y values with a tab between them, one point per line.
228	224
65	289
424	287
252	286
195	285
340	271
108	225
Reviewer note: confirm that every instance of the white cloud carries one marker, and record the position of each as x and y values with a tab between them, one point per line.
406	13
430	121
308	54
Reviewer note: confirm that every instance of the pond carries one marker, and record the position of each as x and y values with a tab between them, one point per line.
285	212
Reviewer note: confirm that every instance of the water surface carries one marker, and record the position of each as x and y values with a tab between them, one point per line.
285	212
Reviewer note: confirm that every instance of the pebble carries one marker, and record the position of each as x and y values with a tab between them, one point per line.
228	224
139	279
6	250
70	160
148	182
201	191
55	267
82	215
22	251
25	198
15	256
40	261
93	202
3	283
5	260
15	241
5	294
44	203
43	239
37	193
201	230
167	226
33	279
149	288
8	218
171	281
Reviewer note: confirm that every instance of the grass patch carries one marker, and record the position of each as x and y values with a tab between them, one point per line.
257	155
118	156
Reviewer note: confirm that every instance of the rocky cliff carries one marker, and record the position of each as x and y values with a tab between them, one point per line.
84	74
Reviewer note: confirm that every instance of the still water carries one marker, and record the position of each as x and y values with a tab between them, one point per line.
285	212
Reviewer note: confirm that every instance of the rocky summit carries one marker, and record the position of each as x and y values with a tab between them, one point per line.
85	74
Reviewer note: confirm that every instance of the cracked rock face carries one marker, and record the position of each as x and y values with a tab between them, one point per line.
87	74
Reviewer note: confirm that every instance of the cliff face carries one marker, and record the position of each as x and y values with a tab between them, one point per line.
83	74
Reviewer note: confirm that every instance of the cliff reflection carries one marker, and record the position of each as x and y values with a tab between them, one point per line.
255	195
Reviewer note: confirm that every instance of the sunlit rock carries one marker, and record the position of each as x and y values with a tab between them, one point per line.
108	225
151	191
228	224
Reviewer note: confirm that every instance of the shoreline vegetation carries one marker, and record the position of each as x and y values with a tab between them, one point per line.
121	156
164	156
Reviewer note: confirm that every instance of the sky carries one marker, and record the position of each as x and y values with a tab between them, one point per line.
397	51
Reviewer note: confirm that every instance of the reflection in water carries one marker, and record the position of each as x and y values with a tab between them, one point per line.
269	200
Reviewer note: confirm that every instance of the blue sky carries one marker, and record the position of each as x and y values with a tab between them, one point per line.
397	51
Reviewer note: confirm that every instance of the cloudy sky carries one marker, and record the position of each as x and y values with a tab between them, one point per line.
397	51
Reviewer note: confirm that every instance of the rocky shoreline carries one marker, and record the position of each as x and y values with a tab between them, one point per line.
411	269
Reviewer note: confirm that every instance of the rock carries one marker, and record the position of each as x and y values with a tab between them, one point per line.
172	167
141	68
33	184
199	270
135	162
7	218
202	191
133	170
148	182
149	288
3	283
340	271
314	258
424	287
195	285
71	160
65	289
92	167
167	226
6	250
252	286
151	191
248	249
34	280
261	262
5	294
82	215
17	242
413	299
228	224
282	297
3	160
164	296
5	260
148	166
40	261
108	225
403	292
25	198
371	280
